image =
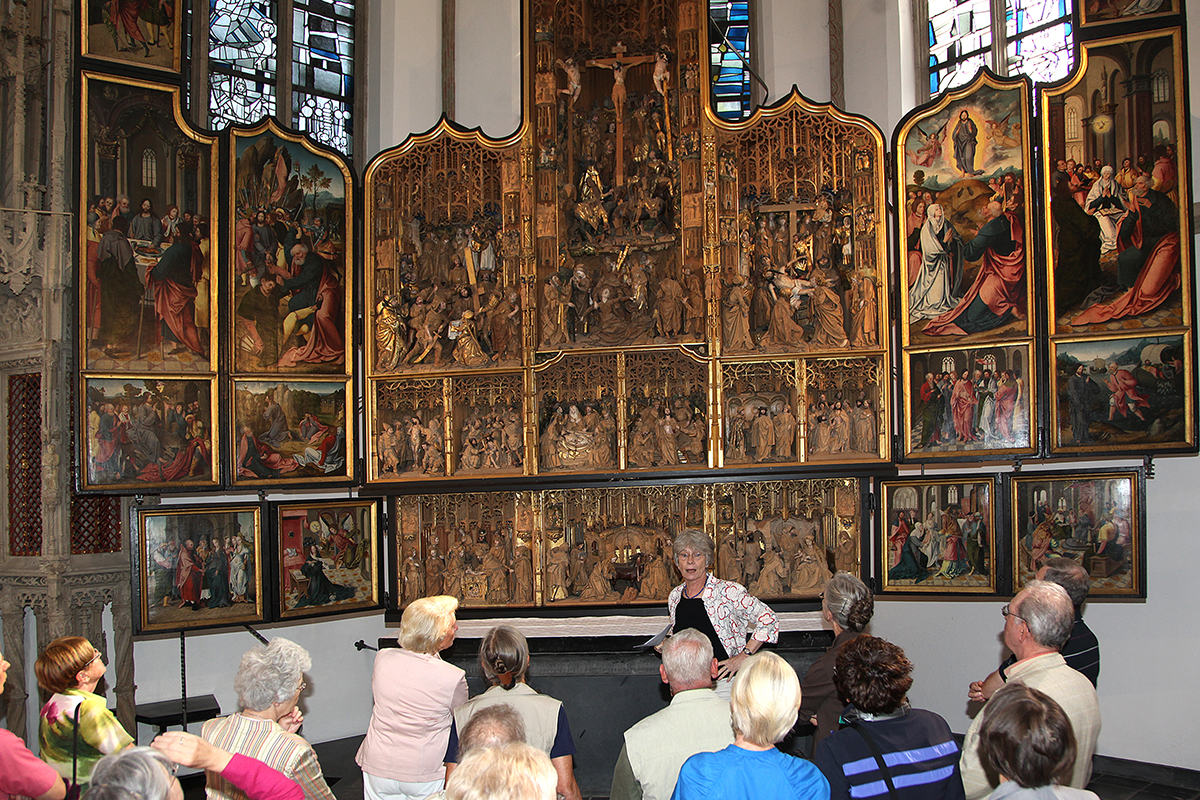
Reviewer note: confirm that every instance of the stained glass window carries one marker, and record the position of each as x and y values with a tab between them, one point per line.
1036	40
149	168
245	83
323	70
729	58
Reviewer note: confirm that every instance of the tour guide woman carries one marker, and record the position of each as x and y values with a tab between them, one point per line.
722	610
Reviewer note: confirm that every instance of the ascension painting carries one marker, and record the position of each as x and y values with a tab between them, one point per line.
964	276
327	557
1094	13
197	567
147	433
291	431
133	32
1123	394
148	215
480	547
968	398
1096	518
291	280
1117	190
938	535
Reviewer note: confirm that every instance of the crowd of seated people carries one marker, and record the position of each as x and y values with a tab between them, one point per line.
1034	737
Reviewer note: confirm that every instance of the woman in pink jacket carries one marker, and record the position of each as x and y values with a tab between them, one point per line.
414	693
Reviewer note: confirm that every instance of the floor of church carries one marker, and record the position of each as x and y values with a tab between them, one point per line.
1113	778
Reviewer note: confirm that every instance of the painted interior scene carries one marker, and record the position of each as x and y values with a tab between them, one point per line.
939	536
289	277
327	558
966	219
1116	200
975	399
144	432
1090	519
1117	393
290	430
146	281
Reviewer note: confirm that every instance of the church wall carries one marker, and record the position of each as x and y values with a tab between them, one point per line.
792	37
1148	702
487	57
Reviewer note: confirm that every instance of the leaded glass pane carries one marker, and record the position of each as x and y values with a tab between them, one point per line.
323	70
327	120
960	36
728	59
241	36
235	99
1039	39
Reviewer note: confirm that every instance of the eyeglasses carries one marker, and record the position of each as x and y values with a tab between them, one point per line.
98	657
689	556
1006	612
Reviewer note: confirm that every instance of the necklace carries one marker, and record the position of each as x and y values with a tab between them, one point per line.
699	592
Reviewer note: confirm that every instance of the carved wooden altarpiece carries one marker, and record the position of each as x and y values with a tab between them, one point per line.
626	286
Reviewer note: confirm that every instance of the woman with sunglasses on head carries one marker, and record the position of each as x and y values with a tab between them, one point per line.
736	622
69	669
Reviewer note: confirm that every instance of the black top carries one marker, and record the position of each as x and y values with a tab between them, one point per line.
690	613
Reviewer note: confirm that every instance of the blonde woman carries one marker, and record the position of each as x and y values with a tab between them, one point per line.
414	694
764	700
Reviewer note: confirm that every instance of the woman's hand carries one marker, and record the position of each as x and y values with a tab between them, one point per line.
191	751
292	720
728	668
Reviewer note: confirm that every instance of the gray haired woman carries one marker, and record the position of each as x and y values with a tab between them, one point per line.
269	683
736	622
847	605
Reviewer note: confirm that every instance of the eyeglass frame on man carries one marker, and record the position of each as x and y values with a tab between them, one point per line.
1008	612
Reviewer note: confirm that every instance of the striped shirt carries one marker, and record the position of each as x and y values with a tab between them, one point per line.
918	749
266	741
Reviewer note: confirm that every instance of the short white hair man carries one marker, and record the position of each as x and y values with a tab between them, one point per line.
1037	623
696	721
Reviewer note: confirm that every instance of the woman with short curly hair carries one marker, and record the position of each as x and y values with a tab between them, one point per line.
919	753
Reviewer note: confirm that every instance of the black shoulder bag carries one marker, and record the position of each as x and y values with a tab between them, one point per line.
73	788
883	770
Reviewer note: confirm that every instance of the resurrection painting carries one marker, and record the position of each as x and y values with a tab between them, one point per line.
133	32
328	557
965	162
148	215
1096	518
1128	393
1117	199
197	567
292	247
147	433
938	535
287	431
963	400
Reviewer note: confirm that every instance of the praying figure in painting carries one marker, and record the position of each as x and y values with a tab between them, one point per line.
933	292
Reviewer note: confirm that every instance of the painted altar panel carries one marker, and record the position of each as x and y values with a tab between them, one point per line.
1118	237
143	35
611	546
291	256
963	273
148	218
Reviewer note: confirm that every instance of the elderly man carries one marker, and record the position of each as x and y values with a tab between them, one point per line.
697	721
1082	650
1037	623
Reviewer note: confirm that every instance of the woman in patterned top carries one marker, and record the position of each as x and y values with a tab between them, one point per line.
69	670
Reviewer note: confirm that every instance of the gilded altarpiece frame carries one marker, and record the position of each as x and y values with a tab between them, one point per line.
965	277
611	546
608	260
1119	272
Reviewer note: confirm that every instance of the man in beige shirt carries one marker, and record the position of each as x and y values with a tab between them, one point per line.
696	721
1037	623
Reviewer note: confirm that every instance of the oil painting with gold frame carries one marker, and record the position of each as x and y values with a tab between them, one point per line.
197	567
937	535
143	35
326	557
1094	517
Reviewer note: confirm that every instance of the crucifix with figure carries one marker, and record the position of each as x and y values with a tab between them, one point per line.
619	64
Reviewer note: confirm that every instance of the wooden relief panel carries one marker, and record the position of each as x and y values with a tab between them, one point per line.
148	218
1119	249
612	546
406	429
290	256
667	410
577	415
963	272
488	426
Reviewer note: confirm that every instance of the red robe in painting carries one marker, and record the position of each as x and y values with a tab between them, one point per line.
998	285
173	281
962	404
325	343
